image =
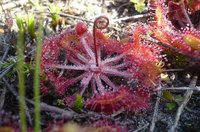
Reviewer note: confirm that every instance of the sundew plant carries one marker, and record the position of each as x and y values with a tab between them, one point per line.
114	75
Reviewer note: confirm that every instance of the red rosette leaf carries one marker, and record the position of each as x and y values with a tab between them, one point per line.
145	56
122	99
108	103
62	84
139	100
43	89
50	51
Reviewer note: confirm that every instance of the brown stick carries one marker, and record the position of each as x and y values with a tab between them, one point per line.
155	113
187	97
65	15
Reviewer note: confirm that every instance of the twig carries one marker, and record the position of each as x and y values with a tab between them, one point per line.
135	17
65	15
187	97
5	71
179	88
155	114
44	106
172	70
54	109
12	90
117	113
2	98
141	128
193	111
92	114
5	54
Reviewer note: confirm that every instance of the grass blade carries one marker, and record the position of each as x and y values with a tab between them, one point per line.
21	74
39	38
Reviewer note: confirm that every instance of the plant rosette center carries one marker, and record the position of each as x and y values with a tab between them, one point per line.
94	68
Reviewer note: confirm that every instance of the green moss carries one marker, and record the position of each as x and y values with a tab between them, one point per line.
78	104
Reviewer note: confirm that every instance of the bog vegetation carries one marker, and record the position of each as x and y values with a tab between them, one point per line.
85	73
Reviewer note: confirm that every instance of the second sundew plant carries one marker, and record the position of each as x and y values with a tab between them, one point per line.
108	74
173	26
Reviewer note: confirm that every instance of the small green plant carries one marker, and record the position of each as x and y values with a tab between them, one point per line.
78	104
20	24
30	23
168	96
60	102
35	3
55	17
139	5
173	100
27	23
171	105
